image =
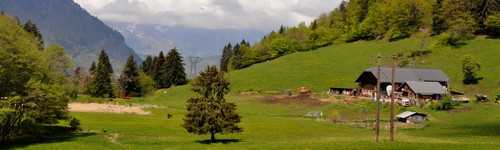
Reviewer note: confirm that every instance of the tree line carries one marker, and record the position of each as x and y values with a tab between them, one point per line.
155	72
453	22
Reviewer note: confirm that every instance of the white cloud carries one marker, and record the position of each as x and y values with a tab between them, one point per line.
235	14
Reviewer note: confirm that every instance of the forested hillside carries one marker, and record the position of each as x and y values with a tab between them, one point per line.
452	22
65	23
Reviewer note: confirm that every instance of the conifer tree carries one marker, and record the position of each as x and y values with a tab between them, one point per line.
129	79
31	27
146	65
209	113
104	59
237	57
92	69
158	71
227	53
101	82
174	69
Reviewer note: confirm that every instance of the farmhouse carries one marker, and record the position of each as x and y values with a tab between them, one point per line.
420	90
411	117
367	80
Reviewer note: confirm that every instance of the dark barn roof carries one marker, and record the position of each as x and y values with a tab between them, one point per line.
407	74
426	88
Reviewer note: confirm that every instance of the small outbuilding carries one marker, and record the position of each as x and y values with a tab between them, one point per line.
411	117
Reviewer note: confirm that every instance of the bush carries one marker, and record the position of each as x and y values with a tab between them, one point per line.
75	124
450	39
444	104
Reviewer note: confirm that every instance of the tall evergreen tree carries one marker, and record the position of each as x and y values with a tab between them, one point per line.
104	59
159	72
174	69
92	69
227	53
209	113
237	57
33	29
146	65
129	79
101	82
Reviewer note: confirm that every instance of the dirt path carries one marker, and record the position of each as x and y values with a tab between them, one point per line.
107	108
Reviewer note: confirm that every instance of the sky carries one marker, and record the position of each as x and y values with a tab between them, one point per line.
262	15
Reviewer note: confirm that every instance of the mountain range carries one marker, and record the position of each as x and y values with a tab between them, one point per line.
65	23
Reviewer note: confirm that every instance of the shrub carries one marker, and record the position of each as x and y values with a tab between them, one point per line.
450	39
75	124
444	104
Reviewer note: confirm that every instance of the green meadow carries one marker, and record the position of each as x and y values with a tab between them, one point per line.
283	125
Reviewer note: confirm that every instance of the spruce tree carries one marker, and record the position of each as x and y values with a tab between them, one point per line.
104	59
89	87
209	113
146	65
159	72
237	57
129	79
31	27
226	57
174	69
101	82
92	69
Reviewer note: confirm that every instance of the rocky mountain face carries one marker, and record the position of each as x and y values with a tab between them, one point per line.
65	23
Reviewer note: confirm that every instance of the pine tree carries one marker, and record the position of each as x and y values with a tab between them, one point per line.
31	27
92	69
282	29
209	113
237	57
174	69
227	53
101	82
129	79
158	71
89	80
146	65
103	58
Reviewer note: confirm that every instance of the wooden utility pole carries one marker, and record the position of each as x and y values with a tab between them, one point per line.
393	76
377	115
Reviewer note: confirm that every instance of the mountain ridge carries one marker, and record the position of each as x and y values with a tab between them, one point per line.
66	23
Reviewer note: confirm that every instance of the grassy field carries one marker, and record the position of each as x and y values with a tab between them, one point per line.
282	126
278	126
340	65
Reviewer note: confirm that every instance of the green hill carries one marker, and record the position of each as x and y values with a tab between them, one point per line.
339	65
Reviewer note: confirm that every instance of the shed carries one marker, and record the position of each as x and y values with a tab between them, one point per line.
411	117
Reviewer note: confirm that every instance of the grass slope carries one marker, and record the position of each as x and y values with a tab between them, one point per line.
275	126
340	65
281	126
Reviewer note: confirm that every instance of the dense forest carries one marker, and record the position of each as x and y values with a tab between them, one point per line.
453	22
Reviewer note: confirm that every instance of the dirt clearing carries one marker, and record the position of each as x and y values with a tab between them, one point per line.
106	108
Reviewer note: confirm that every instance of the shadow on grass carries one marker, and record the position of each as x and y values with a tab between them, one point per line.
43	135
222	141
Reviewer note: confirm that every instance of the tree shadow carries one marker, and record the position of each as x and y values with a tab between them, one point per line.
222	141
53	134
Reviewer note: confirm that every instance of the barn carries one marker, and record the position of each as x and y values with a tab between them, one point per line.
417	91
367	80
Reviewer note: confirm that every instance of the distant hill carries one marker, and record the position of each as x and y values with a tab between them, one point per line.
65	23
339	66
